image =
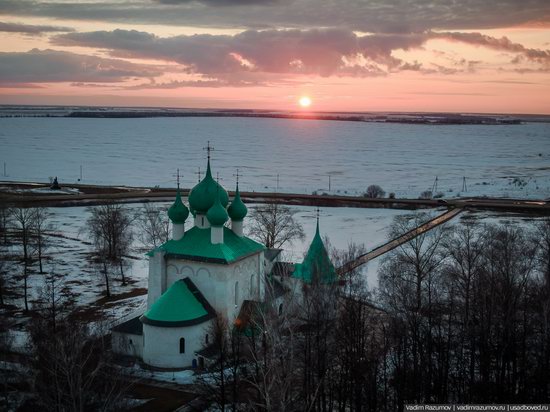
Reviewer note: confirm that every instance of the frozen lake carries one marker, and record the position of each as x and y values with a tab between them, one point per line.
500	160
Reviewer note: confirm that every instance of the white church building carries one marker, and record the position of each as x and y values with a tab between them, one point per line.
205	271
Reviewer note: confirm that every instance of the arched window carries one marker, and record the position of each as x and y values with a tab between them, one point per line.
280	309
206	339
182	345
236	293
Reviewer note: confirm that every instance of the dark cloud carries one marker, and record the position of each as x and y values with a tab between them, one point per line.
7	85
210	83
44	66
500	44
33	30
319	52
232	3
374	16
323	52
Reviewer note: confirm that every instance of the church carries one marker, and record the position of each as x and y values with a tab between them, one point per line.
211	269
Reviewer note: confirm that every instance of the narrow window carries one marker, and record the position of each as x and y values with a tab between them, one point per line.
252	285
202	221
236	293
280	309
206	339
182	345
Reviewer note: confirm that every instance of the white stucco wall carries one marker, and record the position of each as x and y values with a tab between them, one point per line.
217	282
157	277
127	344
161	346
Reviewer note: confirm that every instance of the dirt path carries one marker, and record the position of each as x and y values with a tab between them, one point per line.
392	244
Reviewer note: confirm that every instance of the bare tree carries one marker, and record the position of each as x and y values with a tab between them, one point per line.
5	269
542	237
355	283
110	228
6	376
220	379
24	219
411	291
271	354
6	215
274	225
462	270
153	225
40	224
72	369
374	192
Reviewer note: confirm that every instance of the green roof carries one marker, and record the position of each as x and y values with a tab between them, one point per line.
181	305
316	265
237	210
178	212
196	245
203	195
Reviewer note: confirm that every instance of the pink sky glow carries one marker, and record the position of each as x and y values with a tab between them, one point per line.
399	55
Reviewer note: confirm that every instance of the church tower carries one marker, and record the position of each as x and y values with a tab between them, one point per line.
202	272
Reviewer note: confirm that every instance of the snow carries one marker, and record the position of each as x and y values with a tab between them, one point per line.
497	160
183	377
342	226
69	247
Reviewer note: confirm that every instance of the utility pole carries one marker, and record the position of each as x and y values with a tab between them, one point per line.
5	174
277	189
434	187
464	186
329	182
199	173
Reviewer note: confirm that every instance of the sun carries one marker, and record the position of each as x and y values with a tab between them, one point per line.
305	101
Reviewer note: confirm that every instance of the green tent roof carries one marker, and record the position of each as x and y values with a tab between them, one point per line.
181	305
196	245
316	265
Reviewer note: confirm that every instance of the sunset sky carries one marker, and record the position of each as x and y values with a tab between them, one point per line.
357	55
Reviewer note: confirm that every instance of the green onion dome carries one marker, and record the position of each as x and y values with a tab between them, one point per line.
217	215
203	195
237	210
178	212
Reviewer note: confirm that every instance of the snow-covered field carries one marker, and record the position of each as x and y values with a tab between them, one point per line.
500	160
78	280
69	247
